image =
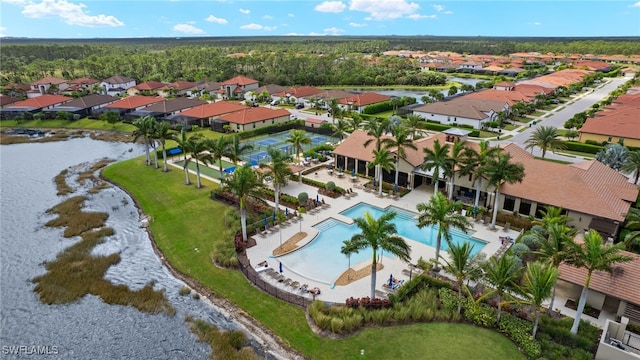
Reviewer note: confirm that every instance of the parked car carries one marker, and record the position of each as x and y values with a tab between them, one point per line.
299	106
274	102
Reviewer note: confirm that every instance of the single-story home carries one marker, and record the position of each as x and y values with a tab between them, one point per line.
83	106
462	110
251	118
33	105
162	110
205	114
131	103
358	102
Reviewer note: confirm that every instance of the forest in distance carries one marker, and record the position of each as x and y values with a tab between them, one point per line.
283	60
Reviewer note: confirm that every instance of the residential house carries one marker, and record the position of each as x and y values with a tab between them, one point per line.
270	88
252	118
178	89
130	104
210	88
313	122
83	106
618	343
149	88
81	85
237	87
163	110
206	114
47	85
629	72
33	105
462	110
358	102
16	90
620	125
564	78
300	94
117	85
470	66
7	100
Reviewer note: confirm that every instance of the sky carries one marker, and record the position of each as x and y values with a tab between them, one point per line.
185	18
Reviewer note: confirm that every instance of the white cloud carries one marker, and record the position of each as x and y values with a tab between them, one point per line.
635	5
216	20
187	29
536	23
268	17
254	26
384	9
2	30
418	16
438	7
331	7
290	15
71	13
352	24
333	31
245	11
448	12
19	2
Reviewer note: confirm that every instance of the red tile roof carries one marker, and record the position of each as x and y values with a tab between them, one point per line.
623	283
15	86
180	85
6	100
254	114
213	109
299	92
118	79
134	102
41	101
149	85
49	80
622	121
240	81
83	81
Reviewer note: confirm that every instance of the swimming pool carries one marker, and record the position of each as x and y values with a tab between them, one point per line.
321	260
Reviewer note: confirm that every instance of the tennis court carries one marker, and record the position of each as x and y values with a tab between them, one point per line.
279	141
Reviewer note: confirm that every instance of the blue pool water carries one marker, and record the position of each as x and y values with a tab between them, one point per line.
322	261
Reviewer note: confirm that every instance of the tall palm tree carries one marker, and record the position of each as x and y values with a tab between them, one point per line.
379	234
336	111
199	154
460	265
382	160
413	122
243	183
471	161
218	148
279	170
400	142
340	129
631	166
457	150
298	138
632	223
593	255
436	159
376	128
497	171
162	134
552	215
502	273
546	138
553	249
538	281
440	212
348	248
357	121
144	129
237	149
185	144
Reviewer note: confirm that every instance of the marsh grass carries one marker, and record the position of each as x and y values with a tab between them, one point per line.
61	183
89	174
231	345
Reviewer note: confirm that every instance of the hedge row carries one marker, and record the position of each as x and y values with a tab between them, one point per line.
580	147
439	127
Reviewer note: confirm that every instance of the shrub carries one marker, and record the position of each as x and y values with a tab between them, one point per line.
331	186
585	148
519	331
531	241
519	249
303	197
539	230
449	299
184	291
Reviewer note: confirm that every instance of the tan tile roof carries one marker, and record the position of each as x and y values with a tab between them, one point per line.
213	109
168	106
240	81
118	79
588	187
83	80
623	283
49	80
504	96
254	114
463	106
561	78
300	92
365	99
180	85
149	85
133	102
353	146
40	101
621	121
6	100
334	94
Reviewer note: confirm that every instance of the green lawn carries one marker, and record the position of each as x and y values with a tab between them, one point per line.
85	123
184	218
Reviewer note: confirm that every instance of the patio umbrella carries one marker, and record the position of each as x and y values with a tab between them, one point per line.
286	211
265	222
274	216
317	198
390	279
280	268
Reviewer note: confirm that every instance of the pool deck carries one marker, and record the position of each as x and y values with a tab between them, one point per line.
267	242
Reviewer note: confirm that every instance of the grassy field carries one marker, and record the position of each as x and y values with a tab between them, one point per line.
184	218
85	123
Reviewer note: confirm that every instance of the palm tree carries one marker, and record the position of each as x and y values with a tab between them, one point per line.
440	212
546	138
538	281
502	273
382	160
341	129
632	223
237	149
497	171
379	235
162	134
552	215
400	142
184	144
298	138
472	161
553	249
593	255
198	149
334	107
218	148
357	121
279	170
631	165
457	150
376	128
436	159
144	129
413	122
348	248
243	183
460	265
